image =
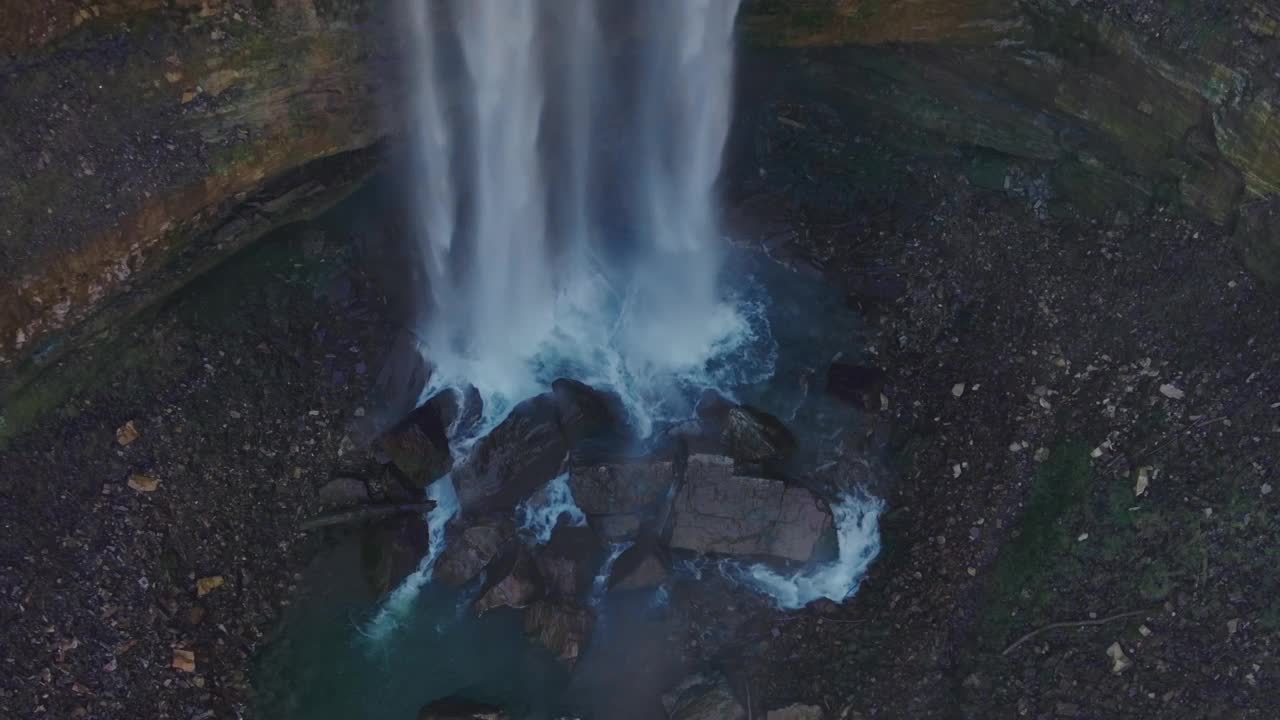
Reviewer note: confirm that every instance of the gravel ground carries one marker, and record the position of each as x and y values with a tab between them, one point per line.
1086	419
238	392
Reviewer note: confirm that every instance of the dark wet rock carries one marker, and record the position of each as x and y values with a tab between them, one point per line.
419	447
343	492
469	550
755	436
396	391
615	528
588	413
562	627
620	488
455	709
719	512
512	582
460	411
857	385
802	522
567	563
703	697
640	567
713	408
391	551
508	465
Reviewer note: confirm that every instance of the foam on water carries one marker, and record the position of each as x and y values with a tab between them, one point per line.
400	603
540	514
857	533
600	584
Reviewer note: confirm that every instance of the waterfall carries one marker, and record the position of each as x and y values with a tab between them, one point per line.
563	158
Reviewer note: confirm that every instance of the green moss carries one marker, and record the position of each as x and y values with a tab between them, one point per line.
1021	573
1099	190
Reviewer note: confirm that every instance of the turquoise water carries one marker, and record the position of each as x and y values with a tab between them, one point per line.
320	667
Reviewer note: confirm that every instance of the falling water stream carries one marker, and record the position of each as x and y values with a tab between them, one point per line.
562	159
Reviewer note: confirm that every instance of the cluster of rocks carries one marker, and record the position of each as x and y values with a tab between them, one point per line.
710	486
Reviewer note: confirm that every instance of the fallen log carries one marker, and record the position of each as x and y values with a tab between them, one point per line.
365	513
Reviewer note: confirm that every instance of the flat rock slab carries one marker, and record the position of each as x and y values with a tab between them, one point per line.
620	488
722	513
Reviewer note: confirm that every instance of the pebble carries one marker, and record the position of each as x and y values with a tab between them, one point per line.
1119	661
1266	488
1171	392
957	390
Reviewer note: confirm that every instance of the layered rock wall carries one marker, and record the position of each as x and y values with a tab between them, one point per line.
145	140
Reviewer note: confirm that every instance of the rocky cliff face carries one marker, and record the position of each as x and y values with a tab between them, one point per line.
1118	106
145	140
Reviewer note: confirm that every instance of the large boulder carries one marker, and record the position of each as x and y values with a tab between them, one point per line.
616	528
722	513
520	455
419	446
620	488
391	550
587	413
751	435
562	627
640	567
512	581
343	492
460	411
703	697
469	550
618	496
567	563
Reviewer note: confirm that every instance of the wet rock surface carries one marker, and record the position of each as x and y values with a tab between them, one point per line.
568	562
754	436
563	627
641	567
719	512
620	488
512	581
522	454
469	550
419	446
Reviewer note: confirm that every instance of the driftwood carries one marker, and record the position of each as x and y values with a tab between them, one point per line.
1071	624
364	513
